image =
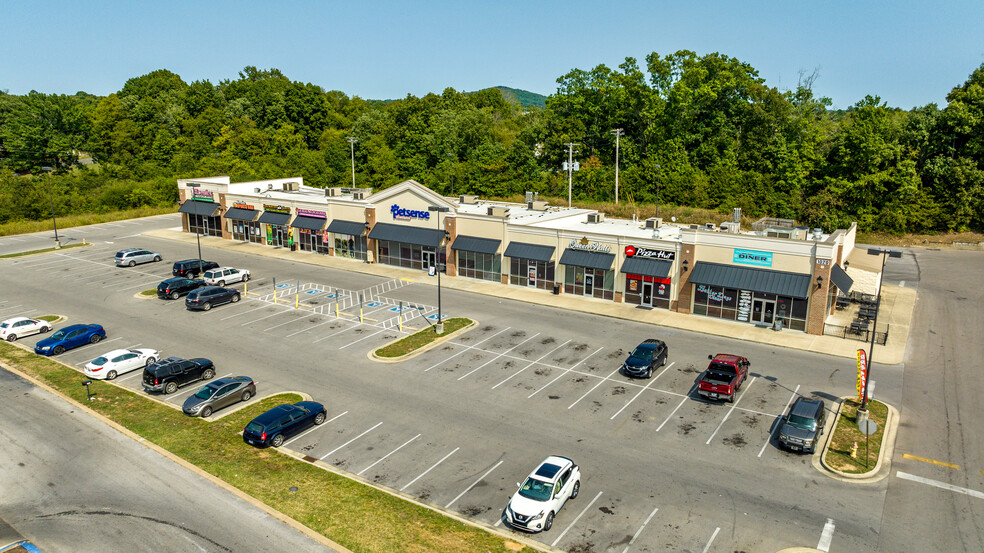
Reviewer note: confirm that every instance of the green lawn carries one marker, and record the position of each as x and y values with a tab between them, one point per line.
43	250
847	433
421	338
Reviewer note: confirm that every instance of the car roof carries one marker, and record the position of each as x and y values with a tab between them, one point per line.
115	352
273	414
220	268
75	327
551	468
727	358
128	250
804	407
17	319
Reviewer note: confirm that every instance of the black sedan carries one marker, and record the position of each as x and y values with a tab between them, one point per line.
205	298
645	358
283	421
174	288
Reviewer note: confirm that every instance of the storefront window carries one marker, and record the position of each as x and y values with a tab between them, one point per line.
407	255
754	307
582	281
647	290
479	265
535	274
353	247
247	231
201	224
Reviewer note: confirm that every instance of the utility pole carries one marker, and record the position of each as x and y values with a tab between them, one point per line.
570	169
352	140
617	133
658	183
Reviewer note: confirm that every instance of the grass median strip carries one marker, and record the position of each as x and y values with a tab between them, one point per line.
44	250
356	516
847	433
421	338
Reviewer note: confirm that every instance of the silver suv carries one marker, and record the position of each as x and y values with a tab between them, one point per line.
134	256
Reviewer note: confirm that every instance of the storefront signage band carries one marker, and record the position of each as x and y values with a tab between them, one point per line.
242	205
312	213
202	195
583	244
408	214
276	209
751	257
639	251
712	294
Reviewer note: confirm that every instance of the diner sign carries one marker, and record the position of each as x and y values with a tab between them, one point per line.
202	195
639	251
277	209
312	213
751	257
584	244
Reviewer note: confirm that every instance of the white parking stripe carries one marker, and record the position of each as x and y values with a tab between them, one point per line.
651	381
593	388
682	401
779	421
243	313
586	507
475	483
728	414
309	328
938	484
408	484
313	428
498	356
826	536
714	535
466	349
90	344
561	375
639	531
337	333
387	455
266	317
531	364
352	440
301	318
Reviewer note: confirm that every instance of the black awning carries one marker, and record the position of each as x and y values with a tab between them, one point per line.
352	228
647	266
523	250
591	260
476	244
192	207
309	223
756	280
408	235
240	214
273	218
840	279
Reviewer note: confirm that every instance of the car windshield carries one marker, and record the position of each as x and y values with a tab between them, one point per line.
537	490
211	274
805	423
644	353
59	335
254	427
206	392
100	361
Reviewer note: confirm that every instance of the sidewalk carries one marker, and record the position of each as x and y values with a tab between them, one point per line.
897	303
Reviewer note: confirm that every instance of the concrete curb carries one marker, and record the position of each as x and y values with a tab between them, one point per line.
883	466
373	357
165	453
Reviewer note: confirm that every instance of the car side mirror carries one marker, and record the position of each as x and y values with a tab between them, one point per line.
710	357
518	485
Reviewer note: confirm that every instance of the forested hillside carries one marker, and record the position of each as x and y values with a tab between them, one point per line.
705	131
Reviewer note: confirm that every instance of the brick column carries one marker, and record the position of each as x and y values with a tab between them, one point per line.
817	311
371	244
182	196
226	233
688	253
451	266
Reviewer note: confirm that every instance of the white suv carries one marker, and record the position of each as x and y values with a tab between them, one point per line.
225	275
545	491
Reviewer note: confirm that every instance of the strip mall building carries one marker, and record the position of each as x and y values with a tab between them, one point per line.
776	272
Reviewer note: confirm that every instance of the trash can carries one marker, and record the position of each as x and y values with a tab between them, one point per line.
556	289
293	247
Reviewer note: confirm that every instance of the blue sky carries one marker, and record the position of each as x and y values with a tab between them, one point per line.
908	53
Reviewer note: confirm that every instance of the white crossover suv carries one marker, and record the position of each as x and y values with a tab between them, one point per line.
225	275
545	491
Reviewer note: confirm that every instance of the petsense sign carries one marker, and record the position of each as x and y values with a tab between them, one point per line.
751	257
408	214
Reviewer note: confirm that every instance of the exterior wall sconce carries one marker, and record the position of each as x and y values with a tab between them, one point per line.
819	282
685	265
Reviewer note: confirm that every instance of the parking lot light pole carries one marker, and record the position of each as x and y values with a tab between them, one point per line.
863	410
51	197
439	328
198	238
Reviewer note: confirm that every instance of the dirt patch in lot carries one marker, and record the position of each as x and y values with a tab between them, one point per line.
618	390
690	368
580	347
750	420
546	341
486	328
542	371
554	397
685	428
585	547
518	334
616	354
736	440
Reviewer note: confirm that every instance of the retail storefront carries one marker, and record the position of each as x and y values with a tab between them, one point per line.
478	257
745	294
348	237
647	276
588	269
531	265
308	226
275	218
243	224
404	246
202	213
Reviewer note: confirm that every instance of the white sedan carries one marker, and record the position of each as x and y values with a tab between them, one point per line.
119	361
225	275
541	496
18	327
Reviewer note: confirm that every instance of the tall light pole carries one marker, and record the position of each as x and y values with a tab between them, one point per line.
352	140
51	197
570	169
657	188
863	410
617	133
439	328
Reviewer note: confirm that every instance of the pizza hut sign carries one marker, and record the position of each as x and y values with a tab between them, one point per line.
639	251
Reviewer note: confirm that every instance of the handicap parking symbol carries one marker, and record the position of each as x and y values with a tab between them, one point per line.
397	309
434	317
331	295
313	292
373	304
285	285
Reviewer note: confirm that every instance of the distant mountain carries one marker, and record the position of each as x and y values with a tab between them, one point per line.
524	98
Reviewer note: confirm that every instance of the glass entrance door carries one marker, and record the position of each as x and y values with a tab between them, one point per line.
647	293
763	311
430	260
588	285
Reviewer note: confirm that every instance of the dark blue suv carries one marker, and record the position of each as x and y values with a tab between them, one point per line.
645	358
282	422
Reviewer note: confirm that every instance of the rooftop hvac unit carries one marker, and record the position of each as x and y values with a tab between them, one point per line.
529	196
778	234
818	234
498	211
654	222
596	217
256	190
537	206
694	227
333	191
730	227
736	215
292	186
468	198
269	186
358	194
710	226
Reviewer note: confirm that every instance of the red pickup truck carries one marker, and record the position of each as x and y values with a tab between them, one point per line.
723	377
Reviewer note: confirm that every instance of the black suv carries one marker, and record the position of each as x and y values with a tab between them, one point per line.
174	288
192	267
802	428
645	358
205	298
167	374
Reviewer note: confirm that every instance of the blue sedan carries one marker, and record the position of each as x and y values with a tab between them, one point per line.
70	337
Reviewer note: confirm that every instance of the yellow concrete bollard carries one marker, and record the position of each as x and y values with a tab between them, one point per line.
336	309
245	285
360	314
399	319
297	301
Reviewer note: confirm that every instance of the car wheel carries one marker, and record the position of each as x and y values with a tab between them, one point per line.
110	375
58	350
576	490
277	440
548	524
220	283
207	374
131	263
157	258
206	306
45	329
11	337
235	297
246	395
150	361
245	277
175	295
170	387
319	418
95	338
206	411
649	373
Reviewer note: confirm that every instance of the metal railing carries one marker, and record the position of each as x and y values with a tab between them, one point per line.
861	335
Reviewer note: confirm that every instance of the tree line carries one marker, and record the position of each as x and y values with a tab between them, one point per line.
701	131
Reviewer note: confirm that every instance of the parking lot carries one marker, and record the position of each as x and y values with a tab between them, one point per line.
461	424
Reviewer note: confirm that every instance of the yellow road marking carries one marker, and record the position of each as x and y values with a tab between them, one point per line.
932	461
407	279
